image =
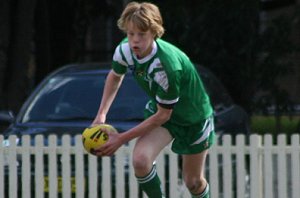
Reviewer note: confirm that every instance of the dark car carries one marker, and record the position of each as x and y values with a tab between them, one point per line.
67	101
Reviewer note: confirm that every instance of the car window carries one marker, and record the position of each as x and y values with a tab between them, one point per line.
129	102
78	97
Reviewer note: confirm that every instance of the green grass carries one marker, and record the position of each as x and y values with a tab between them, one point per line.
266	124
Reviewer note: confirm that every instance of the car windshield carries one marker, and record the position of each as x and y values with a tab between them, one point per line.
77	97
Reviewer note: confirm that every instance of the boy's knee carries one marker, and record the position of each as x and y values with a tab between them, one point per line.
195	185
141	164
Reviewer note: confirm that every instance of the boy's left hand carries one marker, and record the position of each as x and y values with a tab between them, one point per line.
111	146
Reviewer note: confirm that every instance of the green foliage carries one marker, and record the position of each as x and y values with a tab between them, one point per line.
267	124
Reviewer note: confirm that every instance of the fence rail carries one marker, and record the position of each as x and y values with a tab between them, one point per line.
258	169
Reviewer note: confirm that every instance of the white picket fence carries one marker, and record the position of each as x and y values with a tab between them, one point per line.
259	169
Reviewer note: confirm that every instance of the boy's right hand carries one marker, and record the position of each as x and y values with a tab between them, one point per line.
100	119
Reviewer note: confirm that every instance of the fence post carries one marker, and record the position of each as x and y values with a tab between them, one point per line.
26	176
52	166
282	171
121	158
39	166
106	177
93	176
13	184
227	166
79	164
241	168
133	185
256	167
214	175
295	165
268	166
66	166
160	168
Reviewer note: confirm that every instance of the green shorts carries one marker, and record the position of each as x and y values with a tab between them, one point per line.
190	139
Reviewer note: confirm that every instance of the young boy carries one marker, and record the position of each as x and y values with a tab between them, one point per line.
179	109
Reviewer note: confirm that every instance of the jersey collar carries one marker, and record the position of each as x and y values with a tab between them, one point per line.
147	58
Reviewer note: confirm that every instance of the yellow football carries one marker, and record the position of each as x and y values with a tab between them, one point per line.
93	137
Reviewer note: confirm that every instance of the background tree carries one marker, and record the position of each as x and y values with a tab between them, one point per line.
226	37
4	44
15	51
36	37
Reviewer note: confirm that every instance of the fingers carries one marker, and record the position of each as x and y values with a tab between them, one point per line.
98	152
110	147
96	124
99	119
101	152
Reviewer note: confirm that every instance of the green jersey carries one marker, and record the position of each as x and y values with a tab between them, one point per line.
169	78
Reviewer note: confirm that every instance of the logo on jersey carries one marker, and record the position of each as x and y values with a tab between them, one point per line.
160	76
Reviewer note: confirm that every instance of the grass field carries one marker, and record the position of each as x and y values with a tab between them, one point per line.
267	124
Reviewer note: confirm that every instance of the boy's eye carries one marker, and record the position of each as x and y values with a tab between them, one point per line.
139	34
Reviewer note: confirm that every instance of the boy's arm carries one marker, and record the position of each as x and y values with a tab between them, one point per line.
111	87
160	117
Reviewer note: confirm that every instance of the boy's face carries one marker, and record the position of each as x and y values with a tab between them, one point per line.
140	41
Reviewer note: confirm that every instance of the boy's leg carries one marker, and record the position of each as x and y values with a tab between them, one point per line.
204	194
145	152
150	184
194	175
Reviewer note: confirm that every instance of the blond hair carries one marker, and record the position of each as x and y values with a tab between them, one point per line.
146	16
